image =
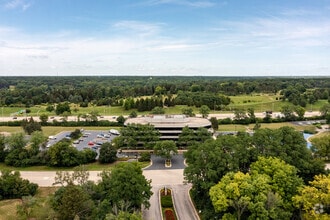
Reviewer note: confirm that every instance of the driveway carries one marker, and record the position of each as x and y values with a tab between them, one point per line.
160	177
158	163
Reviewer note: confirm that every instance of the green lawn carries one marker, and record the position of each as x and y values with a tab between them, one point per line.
89	167
260	103
232	127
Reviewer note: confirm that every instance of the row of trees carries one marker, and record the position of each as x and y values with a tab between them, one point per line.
112	90
135	136
17	151
210	161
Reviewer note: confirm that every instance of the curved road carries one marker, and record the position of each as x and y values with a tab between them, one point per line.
166	177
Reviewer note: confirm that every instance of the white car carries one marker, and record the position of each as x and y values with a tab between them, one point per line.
52	138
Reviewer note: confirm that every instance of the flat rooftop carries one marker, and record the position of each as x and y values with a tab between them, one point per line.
170	121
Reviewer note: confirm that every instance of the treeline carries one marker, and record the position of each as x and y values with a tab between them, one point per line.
113	90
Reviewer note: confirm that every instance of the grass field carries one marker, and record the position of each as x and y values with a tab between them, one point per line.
52	130
8	207
232	127
260	103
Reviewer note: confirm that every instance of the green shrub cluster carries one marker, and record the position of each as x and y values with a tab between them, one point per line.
166	201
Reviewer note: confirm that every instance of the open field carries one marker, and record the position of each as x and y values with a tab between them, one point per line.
233	127
260	103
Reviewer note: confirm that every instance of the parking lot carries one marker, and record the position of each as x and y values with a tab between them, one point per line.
90	139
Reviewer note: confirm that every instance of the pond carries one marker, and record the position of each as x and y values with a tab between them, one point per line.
306	136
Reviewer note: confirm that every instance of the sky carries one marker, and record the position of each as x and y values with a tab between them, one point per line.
165	37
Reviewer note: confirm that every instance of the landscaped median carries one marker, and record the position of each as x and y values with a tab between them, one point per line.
166	201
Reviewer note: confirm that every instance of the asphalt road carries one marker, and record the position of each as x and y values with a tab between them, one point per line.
160	178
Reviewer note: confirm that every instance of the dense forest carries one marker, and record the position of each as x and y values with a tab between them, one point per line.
193	91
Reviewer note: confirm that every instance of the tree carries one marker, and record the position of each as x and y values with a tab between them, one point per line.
314	200
165	149
122	215
16	141
3	151
240	117
25	209
43	118
158	111
133	114
204	110
30	126
238	191
121	120
214	123
188	112
134	135
62	107
322	146
252	117
37	141
300	111
126	183
264	193
290	146
62	154
287	111
283	178
207	163
108	153
12	186
50	108
72	202
79	176
325	109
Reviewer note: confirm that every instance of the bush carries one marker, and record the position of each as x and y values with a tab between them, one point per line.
145	156
169	214
166	201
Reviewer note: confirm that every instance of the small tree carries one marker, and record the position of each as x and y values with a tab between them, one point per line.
214	123
121	120
133	114
188	112
30	126
158	111
204	110
43	118
62	107
108	153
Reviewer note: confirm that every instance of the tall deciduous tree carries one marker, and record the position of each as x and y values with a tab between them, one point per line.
62	154
126	183
13	186
165	149
322	146
108	153
264	193
314	200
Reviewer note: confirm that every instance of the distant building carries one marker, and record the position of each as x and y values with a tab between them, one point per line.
170	126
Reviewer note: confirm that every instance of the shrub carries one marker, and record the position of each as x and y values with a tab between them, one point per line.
169	214
166	201
145	156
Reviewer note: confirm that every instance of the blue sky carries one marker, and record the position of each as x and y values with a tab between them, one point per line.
165	37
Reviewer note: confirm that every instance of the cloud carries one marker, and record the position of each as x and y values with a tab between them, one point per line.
18	4
195	4
141	28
